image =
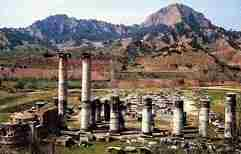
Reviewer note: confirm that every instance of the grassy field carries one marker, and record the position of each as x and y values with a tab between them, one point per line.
18	95
97	148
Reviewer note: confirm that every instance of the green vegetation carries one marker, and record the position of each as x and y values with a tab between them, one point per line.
35	84
217	96
24	51
4	117
97	148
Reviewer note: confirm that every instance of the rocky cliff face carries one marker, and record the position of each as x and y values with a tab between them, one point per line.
175	14
3	40
61	28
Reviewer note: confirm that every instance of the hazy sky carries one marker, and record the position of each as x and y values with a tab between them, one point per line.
21	13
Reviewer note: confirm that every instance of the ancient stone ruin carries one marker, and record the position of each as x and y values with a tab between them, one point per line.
62	86
103	119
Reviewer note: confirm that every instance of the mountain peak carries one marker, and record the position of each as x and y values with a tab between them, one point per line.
177	5
59	16
177	13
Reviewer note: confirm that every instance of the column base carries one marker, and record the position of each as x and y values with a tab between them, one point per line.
178	135
203	137
87	130
146	135
84	130
115	132
229	140
92	127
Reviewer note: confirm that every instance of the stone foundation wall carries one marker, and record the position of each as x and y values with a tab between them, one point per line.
14	134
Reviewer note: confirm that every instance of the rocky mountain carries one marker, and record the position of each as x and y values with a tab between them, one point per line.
175	14
61	29
3	40
178	23
179	39
12	38
65	31
170	25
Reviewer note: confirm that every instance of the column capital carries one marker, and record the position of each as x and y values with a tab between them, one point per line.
63	54
231	98
205	102
178	102
115	98
231	95
85	55
148	101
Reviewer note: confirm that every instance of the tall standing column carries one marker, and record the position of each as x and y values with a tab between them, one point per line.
146	124
122	116
98	111
33	133
86	91
85	116
230	116
62	86
178	117
86	77
204	117
114	115
92	113
113	81
106	110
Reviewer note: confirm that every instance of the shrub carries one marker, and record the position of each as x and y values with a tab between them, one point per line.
20	84
33	84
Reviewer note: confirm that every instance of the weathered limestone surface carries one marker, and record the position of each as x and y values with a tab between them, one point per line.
14	134
86	92
86	77
33	137
85	116
98	110
230	115
115	115
146	125
106	111
204	117
62	86
92	114
178	117
122	116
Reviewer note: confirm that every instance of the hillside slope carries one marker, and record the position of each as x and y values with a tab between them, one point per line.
174	39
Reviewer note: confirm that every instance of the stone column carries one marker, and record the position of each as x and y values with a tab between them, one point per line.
98	111
92	114
146	124
86	92
86	77
184	118
122	116
230	116
85	116
204	117
62	86
33	136
51	147
178	117
153	114
106	110
114	115
102	112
